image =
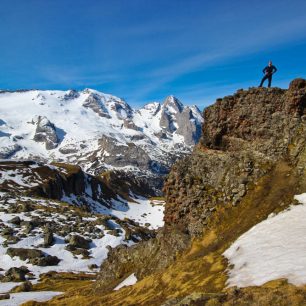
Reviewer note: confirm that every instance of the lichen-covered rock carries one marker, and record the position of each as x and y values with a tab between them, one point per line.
34	256
79	242
15	274
243	138
25	254
48	237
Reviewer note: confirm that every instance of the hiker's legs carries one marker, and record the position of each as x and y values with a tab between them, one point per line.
270	80
262	81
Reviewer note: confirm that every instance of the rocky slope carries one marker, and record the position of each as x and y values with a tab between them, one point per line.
244	136
97	131
55	217
250	162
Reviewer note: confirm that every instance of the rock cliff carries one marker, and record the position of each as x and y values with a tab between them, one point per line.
244	136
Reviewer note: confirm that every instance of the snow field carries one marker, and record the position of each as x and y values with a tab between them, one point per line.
274	248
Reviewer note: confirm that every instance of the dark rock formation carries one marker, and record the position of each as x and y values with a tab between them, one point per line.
46	132
141	259
79	242
94	103
56	181
35	256
15	274
244	136
48	237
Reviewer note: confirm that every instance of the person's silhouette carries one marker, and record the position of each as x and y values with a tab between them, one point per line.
268	71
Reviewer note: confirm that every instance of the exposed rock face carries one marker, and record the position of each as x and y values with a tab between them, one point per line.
35	256
176	117
57	181
141	259
15	274
119	155
93	102
70	95
244	136
46	132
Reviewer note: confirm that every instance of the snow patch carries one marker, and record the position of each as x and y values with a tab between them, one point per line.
274	248
129	281
17	299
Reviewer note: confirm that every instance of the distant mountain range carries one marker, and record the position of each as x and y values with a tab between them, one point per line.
97	131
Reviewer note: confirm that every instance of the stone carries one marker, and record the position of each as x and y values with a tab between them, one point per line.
24	287
24	253
297	84
48	237
45	261
16	220
4	296
79	242
15	274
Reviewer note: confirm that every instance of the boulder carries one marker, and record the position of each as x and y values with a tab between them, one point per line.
15	274
24	287
16	220
25	254
297	84
79	242
48	237
4	296
45	261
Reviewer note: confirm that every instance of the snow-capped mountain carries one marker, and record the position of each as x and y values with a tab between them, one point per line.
96	130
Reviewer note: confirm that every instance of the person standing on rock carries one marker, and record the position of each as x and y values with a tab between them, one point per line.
268	71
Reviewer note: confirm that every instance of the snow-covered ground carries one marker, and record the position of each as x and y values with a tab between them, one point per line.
141	210
272	249
17	299
129	281
144	211
104	234
82	118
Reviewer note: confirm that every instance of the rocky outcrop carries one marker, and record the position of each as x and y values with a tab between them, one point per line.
70	95
142	259
56	181
120	155
94	103
244	137
46	132
35	256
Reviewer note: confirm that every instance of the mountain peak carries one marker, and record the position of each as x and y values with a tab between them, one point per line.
173	104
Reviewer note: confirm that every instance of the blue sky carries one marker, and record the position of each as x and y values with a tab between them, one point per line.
143	50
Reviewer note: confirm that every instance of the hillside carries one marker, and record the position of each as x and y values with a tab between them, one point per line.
246	171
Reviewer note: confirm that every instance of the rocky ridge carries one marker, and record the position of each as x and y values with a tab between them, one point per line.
244	136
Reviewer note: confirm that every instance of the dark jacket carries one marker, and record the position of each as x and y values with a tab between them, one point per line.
269	70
